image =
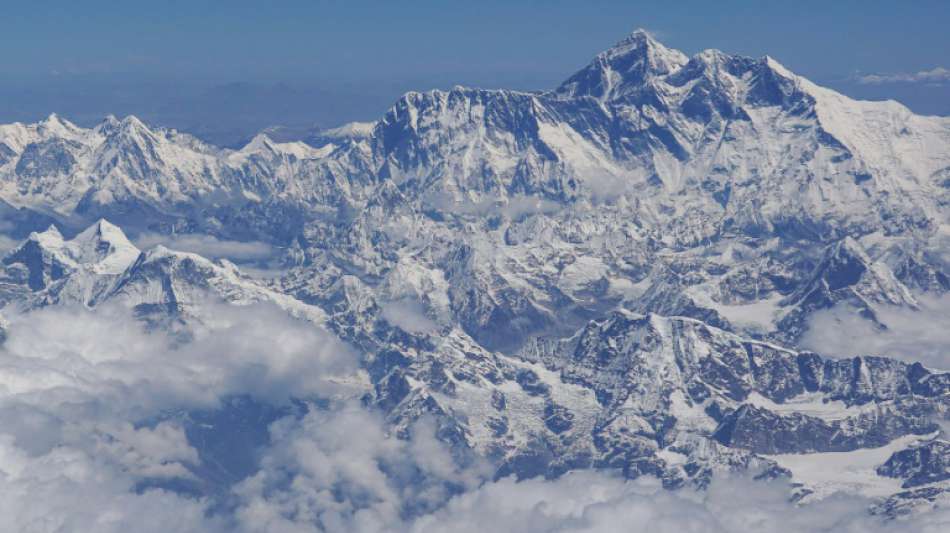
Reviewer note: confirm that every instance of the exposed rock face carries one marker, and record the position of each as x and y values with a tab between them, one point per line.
613	274
921	465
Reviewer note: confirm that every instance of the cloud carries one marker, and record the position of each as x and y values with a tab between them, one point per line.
7	243
593	502
83	393
208	246
158	452
341	470
84	446
71	489
513	208
66	354
408	314
936	75
913	336
316	477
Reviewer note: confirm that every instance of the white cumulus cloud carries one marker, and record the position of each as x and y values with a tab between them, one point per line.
934	75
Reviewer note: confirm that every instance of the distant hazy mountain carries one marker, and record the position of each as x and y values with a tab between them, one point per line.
616	273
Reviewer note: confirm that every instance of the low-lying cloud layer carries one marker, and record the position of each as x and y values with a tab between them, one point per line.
87	444
209	246
77	386
911	335
598	502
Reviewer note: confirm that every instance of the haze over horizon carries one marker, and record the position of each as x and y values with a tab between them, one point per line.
650	281
226	71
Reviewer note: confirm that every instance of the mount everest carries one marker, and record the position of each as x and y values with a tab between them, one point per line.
615	274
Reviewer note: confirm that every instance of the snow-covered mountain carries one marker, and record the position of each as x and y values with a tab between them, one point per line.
617	273
101	265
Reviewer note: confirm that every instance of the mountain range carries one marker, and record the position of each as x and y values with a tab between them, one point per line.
618	273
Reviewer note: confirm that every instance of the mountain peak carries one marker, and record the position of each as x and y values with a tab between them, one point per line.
637	36
51	238
105	245
56	124
133	122
626	65
103	229
101	249
777	67
260	143
113	125
642	45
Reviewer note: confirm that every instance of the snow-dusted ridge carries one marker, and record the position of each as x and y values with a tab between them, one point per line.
101	265
640	117
617	273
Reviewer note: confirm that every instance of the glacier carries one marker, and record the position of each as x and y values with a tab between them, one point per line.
616	274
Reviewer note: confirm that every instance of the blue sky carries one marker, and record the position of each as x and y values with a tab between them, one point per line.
366	39
381	48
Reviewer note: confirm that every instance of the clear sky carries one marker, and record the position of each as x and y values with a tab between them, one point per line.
367	52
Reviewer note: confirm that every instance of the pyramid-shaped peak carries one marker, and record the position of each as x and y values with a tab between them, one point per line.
127	125
133	121
105	244
51	231
105	230
56	124
108	125
639	36
623	68
260	142
52	119
642	44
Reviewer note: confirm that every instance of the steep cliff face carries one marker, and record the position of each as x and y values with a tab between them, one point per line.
616	273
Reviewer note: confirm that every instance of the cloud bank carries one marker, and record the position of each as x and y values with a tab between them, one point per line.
77	391
86	444
936	75
913	336
209	246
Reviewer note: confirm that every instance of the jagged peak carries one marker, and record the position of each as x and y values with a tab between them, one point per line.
109	120
639	35
102	248
112	126
645	42
51	231
56	124
104	230
712	56
103	245
777	67
133	120
260	142
350	130
51	238
627	65
108	125
132	124
415	98
160	252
